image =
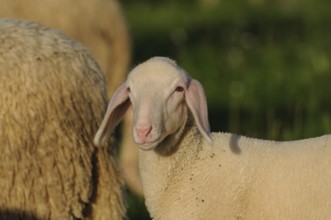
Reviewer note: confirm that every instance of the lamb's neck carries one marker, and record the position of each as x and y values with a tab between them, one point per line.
158	170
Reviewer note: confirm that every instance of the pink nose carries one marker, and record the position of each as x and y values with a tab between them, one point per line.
142	132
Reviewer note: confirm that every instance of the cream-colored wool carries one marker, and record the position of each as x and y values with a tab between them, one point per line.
52	98
101	27
98	24
189	173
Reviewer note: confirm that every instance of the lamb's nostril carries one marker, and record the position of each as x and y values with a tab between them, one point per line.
143	131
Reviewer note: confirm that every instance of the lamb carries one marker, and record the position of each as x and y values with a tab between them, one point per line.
52	98
188	172
101	27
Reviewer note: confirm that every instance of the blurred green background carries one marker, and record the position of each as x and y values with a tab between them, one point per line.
265	64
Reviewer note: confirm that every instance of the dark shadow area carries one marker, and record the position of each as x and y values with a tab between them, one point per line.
95	179
234	144
9	214
137	210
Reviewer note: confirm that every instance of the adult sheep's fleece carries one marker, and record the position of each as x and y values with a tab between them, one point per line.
189	173
52	97
98	24
101	27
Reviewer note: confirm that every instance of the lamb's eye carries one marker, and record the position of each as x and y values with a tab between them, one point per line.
179	89
129	90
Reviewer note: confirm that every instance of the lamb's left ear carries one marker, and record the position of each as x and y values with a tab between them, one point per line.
196	101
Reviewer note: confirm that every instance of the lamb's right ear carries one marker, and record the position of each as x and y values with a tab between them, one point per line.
117	107
196	101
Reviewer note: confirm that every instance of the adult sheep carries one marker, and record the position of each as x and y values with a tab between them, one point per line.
101	27
97	24
189	173
52	97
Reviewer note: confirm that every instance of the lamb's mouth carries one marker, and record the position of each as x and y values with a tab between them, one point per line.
159	142
148	145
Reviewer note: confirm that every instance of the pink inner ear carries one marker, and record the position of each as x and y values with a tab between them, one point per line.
117	107
196	101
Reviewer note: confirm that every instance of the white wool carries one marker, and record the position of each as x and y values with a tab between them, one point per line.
185	175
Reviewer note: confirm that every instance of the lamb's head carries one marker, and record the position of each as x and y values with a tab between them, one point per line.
161	94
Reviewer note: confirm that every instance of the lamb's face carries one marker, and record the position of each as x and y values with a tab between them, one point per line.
157	94
161	93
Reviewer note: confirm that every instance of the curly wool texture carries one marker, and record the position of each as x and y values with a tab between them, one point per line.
101	27
52	97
